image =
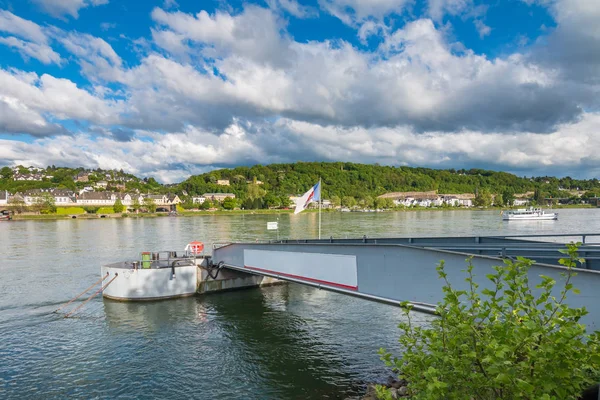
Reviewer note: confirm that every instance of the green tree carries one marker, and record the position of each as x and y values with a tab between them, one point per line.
366	202
17	205
498	200
284	201
510	340
206	204
255	191
508	195
150	204
335	201
6	173
44	204
272	201
483	198
135	205
229	203
348	201
118	207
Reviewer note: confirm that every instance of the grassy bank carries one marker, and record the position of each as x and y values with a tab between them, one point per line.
66	213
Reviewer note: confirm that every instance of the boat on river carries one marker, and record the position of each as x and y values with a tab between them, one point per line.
5	216
154	276
531	213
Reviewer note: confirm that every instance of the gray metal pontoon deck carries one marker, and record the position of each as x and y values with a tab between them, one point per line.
392	270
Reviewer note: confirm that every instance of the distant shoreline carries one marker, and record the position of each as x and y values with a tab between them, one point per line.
51	217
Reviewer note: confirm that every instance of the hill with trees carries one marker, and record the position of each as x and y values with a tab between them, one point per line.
262	186
360	181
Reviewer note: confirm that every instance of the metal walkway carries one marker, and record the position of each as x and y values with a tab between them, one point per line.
392	270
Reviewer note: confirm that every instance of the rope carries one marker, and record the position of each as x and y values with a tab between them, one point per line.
82	293
89	298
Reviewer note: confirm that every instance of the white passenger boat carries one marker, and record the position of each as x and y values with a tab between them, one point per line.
530	213
155	276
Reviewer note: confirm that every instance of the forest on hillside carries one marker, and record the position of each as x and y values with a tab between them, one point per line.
262	186
361	180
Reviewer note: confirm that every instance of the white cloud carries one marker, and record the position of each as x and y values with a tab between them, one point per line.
254	34
170	4
293	7
174	156
59	8
437	9
21	27
353	12
105	26
44	95
482	28
237	88
41	52
17	118
97	58
573	46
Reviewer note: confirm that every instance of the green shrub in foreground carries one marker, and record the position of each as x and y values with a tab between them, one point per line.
502	343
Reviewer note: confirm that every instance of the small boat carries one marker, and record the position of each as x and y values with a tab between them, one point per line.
155	276
531	213
5	216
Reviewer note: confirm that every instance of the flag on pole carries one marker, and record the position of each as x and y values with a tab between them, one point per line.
314	194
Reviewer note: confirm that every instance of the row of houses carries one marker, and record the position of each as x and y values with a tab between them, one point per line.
225	182
433	199
63	197
212	197
429	199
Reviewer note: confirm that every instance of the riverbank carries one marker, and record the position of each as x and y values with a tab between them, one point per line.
188	213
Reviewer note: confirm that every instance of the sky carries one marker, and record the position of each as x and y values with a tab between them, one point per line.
171	88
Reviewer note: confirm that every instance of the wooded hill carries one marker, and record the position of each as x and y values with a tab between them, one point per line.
361	180
275	182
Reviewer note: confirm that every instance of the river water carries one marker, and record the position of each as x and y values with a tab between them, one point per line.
283	342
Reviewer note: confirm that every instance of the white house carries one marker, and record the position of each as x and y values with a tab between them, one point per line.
3	197
520	202
97	199
63	197
198	199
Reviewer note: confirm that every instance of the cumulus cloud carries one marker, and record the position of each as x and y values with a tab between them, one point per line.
17	118
31	40
420	81
352	12
41	52
573	46
293	8
59	8
32	98
20	27
97	58
173	156
236	88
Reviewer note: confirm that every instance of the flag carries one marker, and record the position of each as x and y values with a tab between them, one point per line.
314	194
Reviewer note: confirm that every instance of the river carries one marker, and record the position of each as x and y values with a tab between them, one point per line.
282	342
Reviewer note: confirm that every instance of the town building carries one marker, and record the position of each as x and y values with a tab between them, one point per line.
218	196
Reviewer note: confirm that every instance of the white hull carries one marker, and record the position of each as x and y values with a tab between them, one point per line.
529	214
545	217
149	284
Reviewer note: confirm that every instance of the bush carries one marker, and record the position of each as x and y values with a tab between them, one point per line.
508	342
91	209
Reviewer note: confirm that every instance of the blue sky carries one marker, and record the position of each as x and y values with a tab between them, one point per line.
172	88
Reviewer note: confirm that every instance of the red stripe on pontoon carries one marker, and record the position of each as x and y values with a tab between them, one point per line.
303	278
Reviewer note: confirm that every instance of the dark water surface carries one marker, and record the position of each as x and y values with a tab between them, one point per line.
284	342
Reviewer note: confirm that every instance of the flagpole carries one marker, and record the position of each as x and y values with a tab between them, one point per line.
320	202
